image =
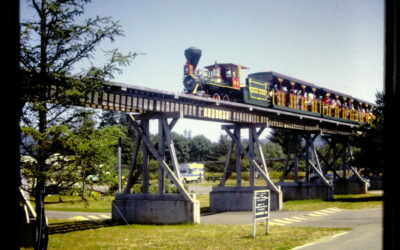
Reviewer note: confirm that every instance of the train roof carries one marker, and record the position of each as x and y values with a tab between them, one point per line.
327	90
226	65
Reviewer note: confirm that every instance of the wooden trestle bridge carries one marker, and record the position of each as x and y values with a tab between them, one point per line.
146	104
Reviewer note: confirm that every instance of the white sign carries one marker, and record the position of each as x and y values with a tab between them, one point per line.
261	202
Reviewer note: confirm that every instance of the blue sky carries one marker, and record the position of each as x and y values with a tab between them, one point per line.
336	44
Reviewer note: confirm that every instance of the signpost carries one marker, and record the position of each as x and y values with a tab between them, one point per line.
261	201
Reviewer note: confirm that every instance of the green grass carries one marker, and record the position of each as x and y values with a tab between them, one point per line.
108	236
352	201
361	201
75	204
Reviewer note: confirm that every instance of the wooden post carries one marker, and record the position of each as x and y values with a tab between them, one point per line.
161	151
146	171
171	148
296	160
227	169
132	178
251	154
238	158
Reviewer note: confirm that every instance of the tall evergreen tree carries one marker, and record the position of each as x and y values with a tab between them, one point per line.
52	43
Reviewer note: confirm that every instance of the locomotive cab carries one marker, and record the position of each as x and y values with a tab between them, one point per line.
228	73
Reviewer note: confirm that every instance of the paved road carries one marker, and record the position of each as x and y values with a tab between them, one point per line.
366	224
366	234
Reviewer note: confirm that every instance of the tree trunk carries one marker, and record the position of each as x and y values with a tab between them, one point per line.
41	223
41	227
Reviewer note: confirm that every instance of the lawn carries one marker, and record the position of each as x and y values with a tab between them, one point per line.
108	236
360	201
351	201
75	204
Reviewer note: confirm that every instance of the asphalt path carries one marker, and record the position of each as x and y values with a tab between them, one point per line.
366	226
367	230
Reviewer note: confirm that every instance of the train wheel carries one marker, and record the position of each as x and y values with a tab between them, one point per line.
226	98
216	96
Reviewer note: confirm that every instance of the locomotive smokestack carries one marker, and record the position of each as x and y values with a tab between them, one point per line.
193	55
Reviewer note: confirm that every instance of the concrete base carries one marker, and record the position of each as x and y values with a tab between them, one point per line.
350	187
155	209
305	191
223	199
376	183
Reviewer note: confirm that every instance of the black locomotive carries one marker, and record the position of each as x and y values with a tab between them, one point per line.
221	81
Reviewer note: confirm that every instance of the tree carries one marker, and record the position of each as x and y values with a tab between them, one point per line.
221	148
51	45
273	150
182	149
369	158
200	148
112	118
82	151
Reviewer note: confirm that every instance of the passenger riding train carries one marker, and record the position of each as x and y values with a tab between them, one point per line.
221	81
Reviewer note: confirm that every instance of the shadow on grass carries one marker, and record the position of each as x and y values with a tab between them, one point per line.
73	226
360	199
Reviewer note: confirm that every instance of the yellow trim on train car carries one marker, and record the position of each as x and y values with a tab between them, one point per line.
260	83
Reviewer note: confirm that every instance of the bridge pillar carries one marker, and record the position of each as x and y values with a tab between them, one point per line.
338	159
160	208
238	197
314	185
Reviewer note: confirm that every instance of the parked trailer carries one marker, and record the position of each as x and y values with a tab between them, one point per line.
192	172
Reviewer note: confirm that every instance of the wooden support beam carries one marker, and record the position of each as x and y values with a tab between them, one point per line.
171	148
238	157
161	151
350	157
256	134
287	168
251	156
311	155
161	160
296	162
227	169
320	174
133	176
146	170
251	160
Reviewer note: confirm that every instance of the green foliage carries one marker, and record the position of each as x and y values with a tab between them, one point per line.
200	148
75	152
52	43
274	151
369	158
182	148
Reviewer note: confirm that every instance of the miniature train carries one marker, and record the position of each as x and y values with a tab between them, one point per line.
272	90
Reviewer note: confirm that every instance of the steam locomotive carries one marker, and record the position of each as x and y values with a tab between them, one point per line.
221	81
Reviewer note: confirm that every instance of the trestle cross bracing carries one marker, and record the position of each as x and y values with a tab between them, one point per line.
248	152
141	125
338	158
309	154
